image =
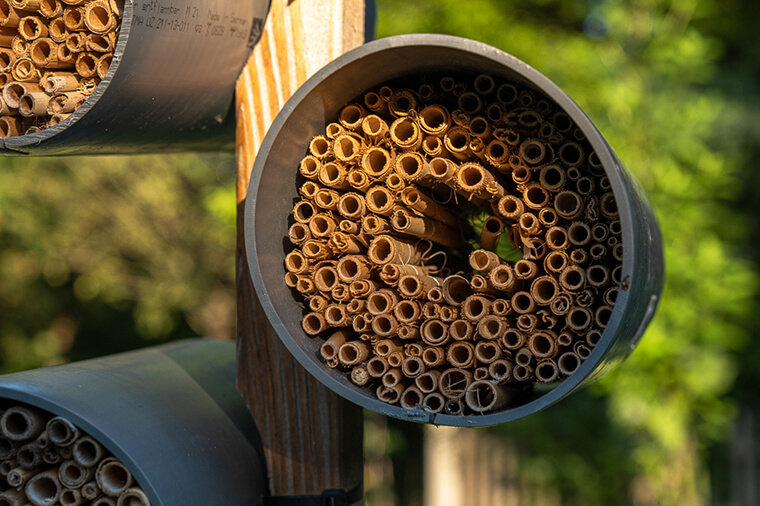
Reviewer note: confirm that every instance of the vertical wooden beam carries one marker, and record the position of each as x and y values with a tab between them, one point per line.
312	438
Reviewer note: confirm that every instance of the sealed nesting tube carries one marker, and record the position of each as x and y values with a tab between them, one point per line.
134	404
168	87
378	63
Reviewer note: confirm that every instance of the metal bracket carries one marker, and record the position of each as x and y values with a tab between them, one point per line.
330	497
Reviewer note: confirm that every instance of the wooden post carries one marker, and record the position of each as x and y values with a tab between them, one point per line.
312	438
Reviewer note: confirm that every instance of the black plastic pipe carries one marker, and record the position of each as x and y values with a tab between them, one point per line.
170	86
317	103
171	414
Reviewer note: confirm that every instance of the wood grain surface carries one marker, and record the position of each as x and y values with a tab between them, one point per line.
312	438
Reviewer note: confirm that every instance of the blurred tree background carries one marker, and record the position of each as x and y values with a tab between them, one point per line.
104	254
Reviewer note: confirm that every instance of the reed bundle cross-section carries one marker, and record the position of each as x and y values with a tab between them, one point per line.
456	242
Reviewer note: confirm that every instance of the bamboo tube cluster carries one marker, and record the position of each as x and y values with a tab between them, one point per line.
402	180
46	460
53	53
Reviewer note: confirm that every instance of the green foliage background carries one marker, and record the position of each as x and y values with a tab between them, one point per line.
104	254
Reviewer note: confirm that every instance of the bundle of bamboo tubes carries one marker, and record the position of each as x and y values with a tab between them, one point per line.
449	168
53	53
46	460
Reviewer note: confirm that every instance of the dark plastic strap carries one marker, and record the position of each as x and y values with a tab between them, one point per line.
331	497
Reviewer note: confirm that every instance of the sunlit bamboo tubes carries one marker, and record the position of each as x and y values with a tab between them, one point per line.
434	147
484	261
412	167
299	233
482	285
407	223
351	116
380	200
29	27
322	226
24	70
385	249
434	120
98	17
346	243
332	174
487	352
419	201
348	148
406	134
457	142
475	180
333	130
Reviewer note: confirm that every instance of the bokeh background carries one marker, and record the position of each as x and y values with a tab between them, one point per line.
106	254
